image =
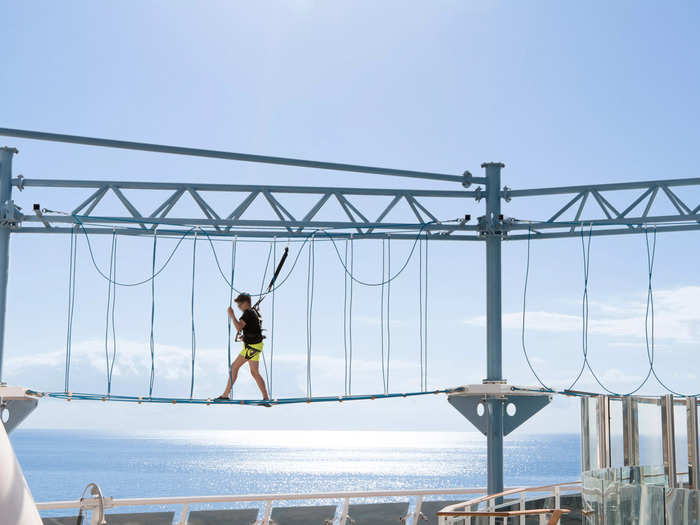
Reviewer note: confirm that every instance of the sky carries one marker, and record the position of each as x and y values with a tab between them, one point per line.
562	93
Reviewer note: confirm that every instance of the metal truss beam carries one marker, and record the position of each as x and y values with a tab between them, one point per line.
608	216
282	221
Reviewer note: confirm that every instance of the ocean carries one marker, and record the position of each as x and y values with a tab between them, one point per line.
58	464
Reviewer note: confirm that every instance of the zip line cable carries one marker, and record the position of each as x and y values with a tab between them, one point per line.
153	315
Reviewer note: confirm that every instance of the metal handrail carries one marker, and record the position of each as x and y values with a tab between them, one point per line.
466	510
263	518
554	520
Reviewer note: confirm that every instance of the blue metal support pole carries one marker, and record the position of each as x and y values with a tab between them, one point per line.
494	224
5	206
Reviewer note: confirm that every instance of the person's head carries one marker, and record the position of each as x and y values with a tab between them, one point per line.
243	301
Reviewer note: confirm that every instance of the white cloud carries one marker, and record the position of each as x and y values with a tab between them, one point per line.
677	318
44	371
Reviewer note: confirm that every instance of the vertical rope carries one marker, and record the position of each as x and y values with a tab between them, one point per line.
272	316
309	311
388	313
111	302
262	288
522	332
352	267
72	259
230	303
345	321
420	313
153	315
381	315
194	333
584	325
425	313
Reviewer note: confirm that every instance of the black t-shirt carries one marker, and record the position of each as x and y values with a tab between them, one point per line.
252	331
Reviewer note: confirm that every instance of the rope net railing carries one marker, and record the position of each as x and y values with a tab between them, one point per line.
586	235
345	254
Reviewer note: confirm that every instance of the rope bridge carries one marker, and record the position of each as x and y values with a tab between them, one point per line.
346	258
69	396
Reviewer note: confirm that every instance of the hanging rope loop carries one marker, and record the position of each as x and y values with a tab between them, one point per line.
152	343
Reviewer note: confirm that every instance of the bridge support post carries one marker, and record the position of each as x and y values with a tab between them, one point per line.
7	214
494	351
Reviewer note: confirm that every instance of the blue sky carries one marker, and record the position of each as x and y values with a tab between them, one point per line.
562	93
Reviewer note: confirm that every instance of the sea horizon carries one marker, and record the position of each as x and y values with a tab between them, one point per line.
58	464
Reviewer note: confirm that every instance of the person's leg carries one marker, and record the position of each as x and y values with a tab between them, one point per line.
255	371
235	366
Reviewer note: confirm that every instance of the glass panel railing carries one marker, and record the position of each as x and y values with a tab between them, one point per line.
624	496
682	507
592	495
680	418
617	447
650	442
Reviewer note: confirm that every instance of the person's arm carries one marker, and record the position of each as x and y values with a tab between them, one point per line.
238	323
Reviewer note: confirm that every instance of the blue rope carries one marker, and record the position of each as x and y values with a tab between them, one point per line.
137	283
651	250
345	322
650	316
230	303
111	302
272	318
218	263
522	336
381	316
352	267
71	306
388	314
425	313
262	287
420	310
194	333
249	402
153	316
309	311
